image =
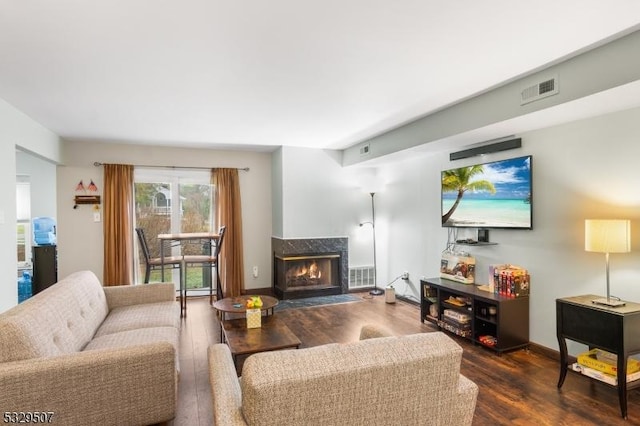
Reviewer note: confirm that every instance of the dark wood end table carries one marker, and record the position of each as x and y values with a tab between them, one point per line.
272	335
613	329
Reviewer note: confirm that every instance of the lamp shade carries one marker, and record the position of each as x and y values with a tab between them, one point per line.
607	236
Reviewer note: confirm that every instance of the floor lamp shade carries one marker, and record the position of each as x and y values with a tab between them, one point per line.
607	236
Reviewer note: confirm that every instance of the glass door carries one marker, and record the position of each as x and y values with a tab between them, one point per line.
174	201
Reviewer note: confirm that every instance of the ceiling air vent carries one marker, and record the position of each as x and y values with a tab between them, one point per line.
539	90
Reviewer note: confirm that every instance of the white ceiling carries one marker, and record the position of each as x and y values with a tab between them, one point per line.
327	74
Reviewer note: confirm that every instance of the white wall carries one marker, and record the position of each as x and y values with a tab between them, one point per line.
16	130
322	199
80	240
317	193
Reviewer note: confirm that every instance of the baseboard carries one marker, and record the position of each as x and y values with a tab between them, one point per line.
550	353
408	300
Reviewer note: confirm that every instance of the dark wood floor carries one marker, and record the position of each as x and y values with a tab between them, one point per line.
516	388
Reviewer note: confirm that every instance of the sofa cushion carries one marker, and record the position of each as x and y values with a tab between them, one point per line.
61	319
162	314
137	337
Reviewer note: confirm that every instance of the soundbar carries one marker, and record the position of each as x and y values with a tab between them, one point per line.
486	149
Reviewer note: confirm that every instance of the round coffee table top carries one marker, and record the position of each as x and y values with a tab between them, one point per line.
238	305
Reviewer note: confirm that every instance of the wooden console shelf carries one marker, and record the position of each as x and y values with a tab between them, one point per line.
497	322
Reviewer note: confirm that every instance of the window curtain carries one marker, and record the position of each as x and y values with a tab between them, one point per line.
117	225
229	213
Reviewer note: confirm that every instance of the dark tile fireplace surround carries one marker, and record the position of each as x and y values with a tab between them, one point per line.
308	267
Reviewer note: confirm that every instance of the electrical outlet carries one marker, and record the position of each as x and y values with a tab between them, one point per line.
405	275
255	272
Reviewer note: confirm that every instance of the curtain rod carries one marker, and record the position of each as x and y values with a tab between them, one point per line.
244	169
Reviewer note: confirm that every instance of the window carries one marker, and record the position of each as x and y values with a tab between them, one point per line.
173	201
23	214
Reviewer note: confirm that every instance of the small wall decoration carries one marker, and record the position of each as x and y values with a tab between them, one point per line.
86	199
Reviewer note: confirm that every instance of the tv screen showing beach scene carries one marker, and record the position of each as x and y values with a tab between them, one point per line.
489	195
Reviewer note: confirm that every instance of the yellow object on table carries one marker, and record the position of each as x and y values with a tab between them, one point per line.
254	318
606	362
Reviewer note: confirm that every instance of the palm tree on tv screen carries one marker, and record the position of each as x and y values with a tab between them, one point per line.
459	180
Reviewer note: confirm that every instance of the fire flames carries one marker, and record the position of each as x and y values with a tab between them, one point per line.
311	271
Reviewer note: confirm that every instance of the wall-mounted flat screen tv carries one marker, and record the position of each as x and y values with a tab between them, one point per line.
488	195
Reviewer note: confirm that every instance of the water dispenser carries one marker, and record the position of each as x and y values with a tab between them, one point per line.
44	231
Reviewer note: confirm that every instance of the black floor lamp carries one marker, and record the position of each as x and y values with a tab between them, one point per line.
376	291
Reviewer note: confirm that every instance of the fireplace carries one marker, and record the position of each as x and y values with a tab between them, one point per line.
309	267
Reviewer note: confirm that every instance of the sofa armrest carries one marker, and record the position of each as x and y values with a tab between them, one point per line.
467	394
126	295
135	385
225	387
370	331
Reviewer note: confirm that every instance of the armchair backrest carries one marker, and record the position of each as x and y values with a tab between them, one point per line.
386	380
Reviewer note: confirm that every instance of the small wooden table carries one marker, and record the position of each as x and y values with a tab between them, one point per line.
272	335
238	305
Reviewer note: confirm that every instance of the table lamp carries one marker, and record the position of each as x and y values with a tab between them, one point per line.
607	236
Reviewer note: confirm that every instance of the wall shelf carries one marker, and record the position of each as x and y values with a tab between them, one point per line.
477	243
87	199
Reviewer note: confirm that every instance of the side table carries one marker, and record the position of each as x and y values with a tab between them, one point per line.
614	329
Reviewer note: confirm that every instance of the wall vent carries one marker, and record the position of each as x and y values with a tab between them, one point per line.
539	90
365	149
361	277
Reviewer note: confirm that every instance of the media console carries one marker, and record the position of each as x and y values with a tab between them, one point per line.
497	322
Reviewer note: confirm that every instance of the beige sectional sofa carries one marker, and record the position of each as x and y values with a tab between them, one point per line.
403	380
91	354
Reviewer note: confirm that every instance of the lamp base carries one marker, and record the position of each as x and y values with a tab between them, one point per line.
608	302
376	292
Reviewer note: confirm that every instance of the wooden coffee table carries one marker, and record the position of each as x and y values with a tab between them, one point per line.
237	305
272	335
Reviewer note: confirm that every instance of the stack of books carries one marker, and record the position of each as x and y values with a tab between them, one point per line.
456	322
602	365
509	280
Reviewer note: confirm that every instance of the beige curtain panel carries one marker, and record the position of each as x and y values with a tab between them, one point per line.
229	213
118	241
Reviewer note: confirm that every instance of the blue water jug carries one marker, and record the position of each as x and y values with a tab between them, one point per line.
44	231
24	286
